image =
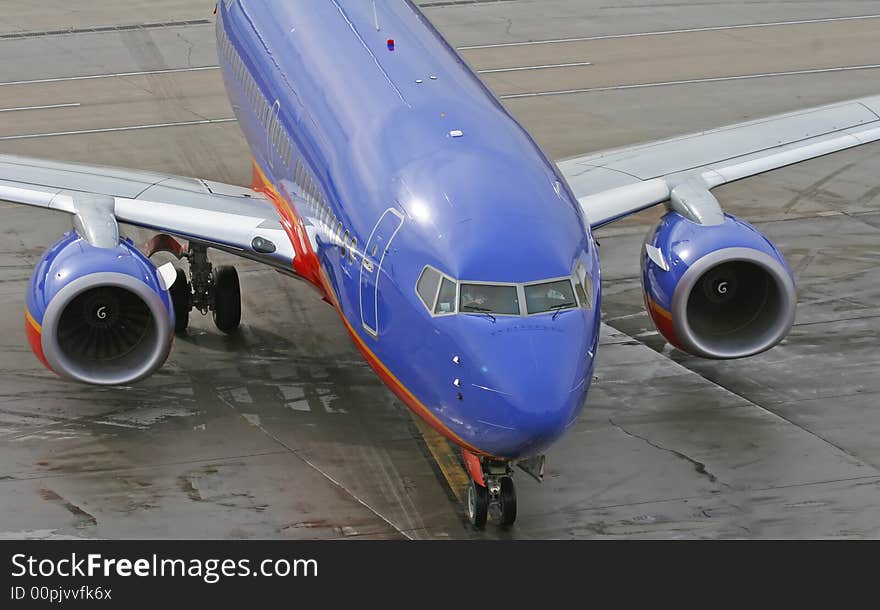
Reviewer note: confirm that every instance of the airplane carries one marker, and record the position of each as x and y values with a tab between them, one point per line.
460	258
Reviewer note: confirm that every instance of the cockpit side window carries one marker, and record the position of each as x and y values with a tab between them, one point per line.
489	298
550	296
584	286
427	286
446	298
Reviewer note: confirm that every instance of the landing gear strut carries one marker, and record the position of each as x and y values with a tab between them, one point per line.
491	489
214	289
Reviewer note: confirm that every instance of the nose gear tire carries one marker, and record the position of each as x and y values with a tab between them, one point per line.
477	505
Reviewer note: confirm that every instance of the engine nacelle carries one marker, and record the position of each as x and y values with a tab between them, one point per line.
717	291
98	315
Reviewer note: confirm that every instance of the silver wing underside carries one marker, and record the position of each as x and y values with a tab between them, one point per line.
609	185
219	215
613	184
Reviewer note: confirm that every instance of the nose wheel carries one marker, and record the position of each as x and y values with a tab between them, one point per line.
507	501
477	505
491	490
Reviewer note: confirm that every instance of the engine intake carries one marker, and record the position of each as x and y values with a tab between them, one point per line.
720	291
99	315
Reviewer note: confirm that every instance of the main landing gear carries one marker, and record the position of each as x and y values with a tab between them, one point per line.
214	289
491	490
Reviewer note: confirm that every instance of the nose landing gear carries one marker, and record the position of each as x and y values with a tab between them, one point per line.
491	490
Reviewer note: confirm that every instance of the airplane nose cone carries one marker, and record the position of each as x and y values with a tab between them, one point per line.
528	380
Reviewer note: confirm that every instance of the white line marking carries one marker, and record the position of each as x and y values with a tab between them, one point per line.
112	129
112	75
717	28
544	67
484	46
715	79
40	107
299	455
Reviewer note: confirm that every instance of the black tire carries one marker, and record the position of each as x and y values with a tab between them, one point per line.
507	499
477	505
180	299
227	299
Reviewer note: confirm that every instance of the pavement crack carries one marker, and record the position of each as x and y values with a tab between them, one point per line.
190	47
84	517
187	486
699	466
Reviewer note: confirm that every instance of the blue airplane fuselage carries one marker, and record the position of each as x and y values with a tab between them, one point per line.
384	154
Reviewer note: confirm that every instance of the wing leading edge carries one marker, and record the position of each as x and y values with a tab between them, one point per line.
613	184
226	217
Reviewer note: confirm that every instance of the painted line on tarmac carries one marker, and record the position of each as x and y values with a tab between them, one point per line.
445	458
46	107
62	79
77	132
542	67
690	81
715	28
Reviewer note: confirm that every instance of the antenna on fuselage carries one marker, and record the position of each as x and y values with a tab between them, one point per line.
376	16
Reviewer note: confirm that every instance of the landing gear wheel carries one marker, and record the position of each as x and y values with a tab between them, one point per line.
477	505
180	299
507	502
227	299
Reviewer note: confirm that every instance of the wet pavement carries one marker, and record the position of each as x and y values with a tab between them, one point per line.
284	432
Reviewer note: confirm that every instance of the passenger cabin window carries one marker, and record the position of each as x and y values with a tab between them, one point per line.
550	296
489	298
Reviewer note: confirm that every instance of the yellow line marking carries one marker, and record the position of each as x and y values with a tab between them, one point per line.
445	458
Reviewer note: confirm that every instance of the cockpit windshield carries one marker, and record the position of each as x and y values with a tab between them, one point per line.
550	296
489	298
443	295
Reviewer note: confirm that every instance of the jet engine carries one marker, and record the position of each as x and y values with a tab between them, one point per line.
717	291
99	315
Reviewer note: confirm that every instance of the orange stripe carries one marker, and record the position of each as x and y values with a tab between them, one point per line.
30	319
34	333
652	305
662	320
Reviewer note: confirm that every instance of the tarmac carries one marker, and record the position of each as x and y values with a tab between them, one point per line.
283	431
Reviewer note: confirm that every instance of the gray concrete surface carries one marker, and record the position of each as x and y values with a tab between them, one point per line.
283	432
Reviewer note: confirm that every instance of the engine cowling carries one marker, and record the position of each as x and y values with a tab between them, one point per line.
98	315
717	291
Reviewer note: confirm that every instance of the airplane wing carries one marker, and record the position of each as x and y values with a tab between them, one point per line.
229	218
613	184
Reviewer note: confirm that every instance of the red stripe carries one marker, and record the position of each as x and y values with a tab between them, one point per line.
306	265
662	320
35	338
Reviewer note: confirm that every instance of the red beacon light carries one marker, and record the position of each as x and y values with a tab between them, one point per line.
390	44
